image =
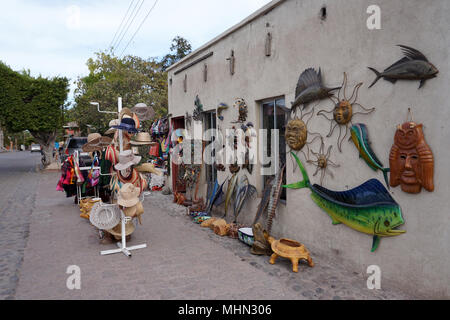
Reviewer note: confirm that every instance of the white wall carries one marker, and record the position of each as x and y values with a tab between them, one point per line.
416	261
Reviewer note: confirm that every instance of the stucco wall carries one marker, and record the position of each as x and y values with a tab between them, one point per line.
416	261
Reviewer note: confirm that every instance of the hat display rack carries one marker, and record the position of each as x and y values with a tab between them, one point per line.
124	219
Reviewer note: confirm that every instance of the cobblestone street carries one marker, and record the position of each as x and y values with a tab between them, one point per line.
182	260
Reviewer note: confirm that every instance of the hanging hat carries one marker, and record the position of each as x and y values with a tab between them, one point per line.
117	230
128	196
135	211
105	216
144	112
149	168
142	139
127	124
125	112
96	143
112	123
126	160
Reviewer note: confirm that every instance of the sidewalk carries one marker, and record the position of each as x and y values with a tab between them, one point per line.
182	261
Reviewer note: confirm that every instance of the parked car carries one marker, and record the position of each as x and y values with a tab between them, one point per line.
75	144
35	148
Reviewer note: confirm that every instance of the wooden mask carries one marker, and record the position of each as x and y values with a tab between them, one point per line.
411	159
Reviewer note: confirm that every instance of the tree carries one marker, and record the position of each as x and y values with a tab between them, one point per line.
134	79
32	104
180	48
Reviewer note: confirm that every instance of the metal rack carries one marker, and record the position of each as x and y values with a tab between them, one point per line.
123	244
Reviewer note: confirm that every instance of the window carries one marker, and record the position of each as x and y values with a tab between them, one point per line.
274	117
211	123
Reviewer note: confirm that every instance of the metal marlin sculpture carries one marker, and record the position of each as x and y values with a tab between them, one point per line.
217	197
368	208
360	137
230	191
414	66
310	88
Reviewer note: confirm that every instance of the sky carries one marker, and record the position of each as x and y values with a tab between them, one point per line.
56	38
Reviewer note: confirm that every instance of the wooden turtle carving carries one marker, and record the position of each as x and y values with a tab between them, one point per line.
290	249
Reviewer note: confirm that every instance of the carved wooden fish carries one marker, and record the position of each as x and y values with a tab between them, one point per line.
310	88
360	137
414	66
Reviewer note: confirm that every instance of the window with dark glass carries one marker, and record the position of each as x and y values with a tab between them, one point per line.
274	117
211	123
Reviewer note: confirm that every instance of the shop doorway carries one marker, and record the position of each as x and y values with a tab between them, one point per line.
178	183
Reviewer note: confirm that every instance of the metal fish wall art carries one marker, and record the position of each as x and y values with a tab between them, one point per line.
360	137
368	208
310	88
413	66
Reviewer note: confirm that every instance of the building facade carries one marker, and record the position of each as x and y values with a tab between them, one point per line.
261	59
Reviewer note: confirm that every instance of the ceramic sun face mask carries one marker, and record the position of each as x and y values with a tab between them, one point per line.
411	160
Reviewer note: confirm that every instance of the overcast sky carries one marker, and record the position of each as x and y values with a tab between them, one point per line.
55	38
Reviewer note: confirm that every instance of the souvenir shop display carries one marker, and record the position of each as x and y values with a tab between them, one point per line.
246	236
413	66
368	208
343	111
241	105
323	161
112	124
264	200
411	159
86	206
230	191
96	142
290	249
360	137
310	88
220	108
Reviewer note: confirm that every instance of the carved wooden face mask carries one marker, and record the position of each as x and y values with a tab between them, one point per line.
411	159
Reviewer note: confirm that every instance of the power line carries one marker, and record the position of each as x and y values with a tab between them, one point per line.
117	43
131	22
120	26
140	26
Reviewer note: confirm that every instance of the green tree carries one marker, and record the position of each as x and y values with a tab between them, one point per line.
180	48
134	79
32	104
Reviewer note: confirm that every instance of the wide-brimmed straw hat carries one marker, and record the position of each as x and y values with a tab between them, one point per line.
128	196
126	160
112	123
135	211
149	168
144	112
96	143
105	216
142	139
117	230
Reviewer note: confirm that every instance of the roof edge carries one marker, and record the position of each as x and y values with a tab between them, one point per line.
262	11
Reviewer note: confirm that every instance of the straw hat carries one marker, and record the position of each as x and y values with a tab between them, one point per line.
144	112
96	143
125	112
128	196
142	139
117	230
135	211
148	168
105	216
112	123
126	160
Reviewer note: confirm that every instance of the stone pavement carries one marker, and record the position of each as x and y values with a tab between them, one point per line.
182	261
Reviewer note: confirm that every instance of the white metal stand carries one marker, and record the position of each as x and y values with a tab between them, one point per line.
123	245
